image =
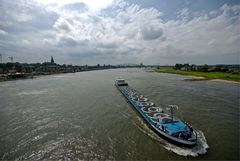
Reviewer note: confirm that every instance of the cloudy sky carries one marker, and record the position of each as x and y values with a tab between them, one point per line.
121	31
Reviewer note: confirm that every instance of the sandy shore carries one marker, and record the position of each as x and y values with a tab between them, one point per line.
226	81
195	78
201	78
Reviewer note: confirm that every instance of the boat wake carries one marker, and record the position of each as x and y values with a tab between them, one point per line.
199	149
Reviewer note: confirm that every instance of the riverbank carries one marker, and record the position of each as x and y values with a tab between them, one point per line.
8	77
20	76
197	75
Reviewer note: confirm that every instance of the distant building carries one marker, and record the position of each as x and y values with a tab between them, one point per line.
235	70
52	60
50	66
194	67
186	67
27	68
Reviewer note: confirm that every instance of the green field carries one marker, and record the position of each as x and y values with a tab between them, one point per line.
206	75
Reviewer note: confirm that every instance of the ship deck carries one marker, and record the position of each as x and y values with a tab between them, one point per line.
156	116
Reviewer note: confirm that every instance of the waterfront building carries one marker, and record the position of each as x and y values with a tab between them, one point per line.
52	60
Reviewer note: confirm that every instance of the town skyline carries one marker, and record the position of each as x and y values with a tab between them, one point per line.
10	59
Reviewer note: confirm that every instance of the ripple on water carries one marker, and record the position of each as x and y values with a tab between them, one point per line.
65	148
33	92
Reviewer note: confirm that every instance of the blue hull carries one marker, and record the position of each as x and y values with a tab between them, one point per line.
155	125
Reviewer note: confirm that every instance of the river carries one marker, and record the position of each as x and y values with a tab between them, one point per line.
83	116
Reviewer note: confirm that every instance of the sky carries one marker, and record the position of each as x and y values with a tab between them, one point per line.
160	32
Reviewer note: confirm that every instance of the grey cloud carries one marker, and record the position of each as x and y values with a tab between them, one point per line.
151	33
84	53
170	52
3	33
108	45
18	17
68	41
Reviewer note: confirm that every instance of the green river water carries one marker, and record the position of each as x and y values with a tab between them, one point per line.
82	116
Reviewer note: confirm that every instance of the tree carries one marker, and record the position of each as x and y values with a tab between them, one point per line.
178	66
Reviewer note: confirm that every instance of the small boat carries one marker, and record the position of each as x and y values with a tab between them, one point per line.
160	120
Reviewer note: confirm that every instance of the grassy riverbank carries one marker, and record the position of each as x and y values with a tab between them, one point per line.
197	75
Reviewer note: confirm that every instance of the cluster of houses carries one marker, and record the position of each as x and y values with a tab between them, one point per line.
16	70
45	68
209	68
19	70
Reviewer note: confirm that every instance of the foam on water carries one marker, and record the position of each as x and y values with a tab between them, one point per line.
33	92
199	149
63	76
4	85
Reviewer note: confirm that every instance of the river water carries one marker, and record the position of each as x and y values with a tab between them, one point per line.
83	116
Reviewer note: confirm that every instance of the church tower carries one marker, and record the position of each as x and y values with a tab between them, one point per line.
52	61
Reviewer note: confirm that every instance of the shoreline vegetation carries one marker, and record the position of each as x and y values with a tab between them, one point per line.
199	76
32	75
15	70
193	75
22	76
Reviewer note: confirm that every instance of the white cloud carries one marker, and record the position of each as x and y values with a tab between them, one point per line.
62	25
23	17
200	34
92	4
3	33
77	32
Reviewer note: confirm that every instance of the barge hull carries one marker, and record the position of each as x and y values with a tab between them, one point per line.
147	121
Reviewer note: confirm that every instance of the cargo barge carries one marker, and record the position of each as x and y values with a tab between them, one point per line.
160	120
